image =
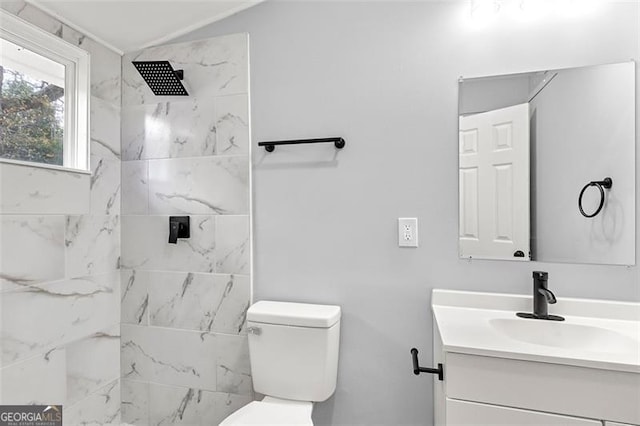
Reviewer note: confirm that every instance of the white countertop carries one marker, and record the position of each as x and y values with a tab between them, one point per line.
467	322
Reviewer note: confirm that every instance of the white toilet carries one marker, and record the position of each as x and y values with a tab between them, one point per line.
294	361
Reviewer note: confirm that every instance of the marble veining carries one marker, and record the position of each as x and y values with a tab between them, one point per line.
73	308
105	186
20	238
176	357
180	128
92	362
146	246
37	380
191	406
42	191
171	405
227	403
232	244
100	408
233	367
105	129
185	185
92	244
134	297
135	188
135	402
205	302
232	124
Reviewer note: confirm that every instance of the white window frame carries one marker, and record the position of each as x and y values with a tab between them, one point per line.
76	92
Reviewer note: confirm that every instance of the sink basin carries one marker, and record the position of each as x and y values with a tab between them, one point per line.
565	335
596	334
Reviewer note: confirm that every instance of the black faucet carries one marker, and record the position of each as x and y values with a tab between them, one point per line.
542	297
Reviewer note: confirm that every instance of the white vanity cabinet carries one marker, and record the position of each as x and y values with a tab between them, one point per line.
473	413
481	390
488	381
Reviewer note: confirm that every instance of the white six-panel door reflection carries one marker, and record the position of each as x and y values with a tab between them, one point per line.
494	184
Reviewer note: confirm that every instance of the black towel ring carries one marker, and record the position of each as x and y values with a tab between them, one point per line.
601	184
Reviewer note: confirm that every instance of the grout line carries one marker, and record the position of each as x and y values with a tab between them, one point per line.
62	345
166	271
250	177
245	155
68	214
221	333
184	214
95	391
47	283
151	382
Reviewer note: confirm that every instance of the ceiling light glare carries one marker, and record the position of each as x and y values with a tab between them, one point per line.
574	8
483	10
532	9
513	9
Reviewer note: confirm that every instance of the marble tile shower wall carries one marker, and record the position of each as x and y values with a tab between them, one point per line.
184	353
59	261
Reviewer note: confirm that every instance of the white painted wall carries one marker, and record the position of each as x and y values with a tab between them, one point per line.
384	75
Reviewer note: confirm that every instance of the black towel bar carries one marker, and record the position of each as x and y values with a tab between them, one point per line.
271	145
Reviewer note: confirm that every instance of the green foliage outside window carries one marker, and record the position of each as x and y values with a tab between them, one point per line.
31	118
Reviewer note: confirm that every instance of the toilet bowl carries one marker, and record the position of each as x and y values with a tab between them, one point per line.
272	411
293	349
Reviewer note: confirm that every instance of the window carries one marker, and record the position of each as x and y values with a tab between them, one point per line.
44	98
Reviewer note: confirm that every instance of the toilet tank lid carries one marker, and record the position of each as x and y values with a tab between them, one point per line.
294	314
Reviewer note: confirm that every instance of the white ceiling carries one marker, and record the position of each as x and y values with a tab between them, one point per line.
126	25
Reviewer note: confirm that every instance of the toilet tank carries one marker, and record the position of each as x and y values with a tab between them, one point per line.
294	349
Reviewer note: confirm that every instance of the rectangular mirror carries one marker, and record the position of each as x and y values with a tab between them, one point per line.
547	166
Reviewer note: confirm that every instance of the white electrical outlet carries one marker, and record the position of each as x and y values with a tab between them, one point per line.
407	232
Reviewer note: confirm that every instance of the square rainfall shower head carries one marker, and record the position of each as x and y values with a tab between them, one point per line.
162	79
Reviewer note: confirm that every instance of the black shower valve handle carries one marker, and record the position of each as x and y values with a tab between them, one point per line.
178	228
